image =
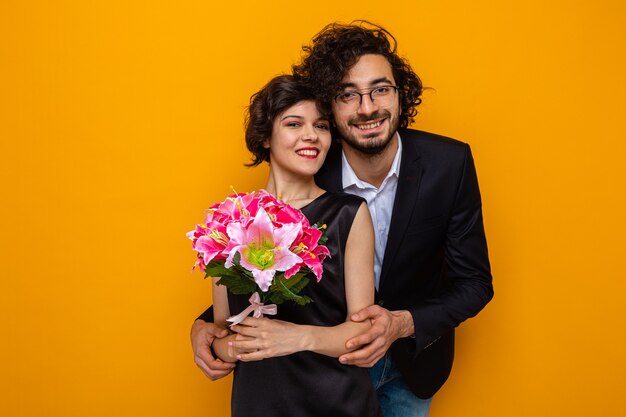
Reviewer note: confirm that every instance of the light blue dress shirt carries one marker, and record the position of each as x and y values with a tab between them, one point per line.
379	200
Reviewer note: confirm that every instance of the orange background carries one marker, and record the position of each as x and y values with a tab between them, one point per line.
120	122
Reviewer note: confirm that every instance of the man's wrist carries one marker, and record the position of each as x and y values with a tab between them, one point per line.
405	325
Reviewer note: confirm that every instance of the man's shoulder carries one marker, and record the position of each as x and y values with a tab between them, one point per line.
427	139
434	150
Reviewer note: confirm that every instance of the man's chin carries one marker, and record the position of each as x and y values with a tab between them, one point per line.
372	150
369	146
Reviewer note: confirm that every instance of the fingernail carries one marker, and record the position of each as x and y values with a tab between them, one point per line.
349	345
230	343
343	360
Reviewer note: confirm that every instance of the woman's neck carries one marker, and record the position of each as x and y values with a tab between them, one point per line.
295	192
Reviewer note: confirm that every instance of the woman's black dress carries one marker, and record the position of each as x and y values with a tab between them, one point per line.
307	383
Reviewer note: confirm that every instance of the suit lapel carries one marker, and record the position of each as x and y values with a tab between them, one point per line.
404	202
329	178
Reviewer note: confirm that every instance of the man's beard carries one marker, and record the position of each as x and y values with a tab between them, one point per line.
373	146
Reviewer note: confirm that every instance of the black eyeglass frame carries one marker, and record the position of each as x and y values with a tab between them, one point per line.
372	89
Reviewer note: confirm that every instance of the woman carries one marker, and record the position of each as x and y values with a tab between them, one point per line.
300	375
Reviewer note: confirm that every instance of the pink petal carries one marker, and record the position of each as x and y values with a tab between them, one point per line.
317	270
260	231
263	278
236	233
208	248
285	235
292	271
231	255
285	259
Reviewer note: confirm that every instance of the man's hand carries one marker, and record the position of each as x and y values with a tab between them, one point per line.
387	326
202	336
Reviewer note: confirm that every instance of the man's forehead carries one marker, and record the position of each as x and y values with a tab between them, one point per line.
368	70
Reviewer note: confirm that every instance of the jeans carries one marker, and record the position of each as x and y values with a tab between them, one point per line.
394	396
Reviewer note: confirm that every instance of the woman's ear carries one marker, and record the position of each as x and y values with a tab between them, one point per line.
266	144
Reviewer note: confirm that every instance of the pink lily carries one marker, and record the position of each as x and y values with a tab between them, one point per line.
310	253
236	206
212	243
264	249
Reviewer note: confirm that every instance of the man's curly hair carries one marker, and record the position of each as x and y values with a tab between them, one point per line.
338	47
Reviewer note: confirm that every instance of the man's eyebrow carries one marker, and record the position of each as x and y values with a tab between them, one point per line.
343	86
381	80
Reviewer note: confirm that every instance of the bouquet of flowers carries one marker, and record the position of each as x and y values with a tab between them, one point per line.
262	246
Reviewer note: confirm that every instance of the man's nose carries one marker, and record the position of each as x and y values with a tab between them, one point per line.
367	106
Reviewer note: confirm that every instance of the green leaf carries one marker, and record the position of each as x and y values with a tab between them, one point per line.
293	281
236	278
217	269
276	298
280	290
240	281
299	286
238	284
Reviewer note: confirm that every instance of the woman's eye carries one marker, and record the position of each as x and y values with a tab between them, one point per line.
323	126
293	124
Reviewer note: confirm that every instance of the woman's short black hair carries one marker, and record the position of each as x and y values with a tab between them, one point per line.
338	47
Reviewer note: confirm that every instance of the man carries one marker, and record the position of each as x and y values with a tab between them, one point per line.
432	268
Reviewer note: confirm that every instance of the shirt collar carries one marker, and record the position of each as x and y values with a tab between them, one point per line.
349	178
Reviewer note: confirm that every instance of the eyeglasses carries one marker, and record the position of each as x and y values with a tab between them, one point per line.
382	95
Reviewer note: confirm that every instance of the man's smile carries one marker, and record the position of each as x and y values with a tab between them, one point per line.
369	125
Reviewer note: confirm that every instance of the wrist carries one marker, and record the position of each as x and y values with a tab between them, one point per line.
221	349
308	338
404	323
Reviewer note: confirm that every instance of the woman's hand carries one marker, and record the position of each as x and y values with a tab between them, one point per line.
263	338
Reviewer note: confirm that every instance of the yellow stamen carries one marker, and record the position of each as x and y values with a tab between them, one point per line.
219	237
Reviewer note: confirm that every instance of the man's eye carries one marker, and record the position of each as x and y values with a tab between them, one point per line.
381	91
348	96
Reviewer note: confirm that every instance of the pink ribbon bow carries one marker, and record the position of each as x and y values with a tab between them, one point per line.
256	307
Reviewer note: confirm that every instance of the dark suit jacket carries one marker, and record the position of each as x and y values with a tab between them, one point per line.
435	264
